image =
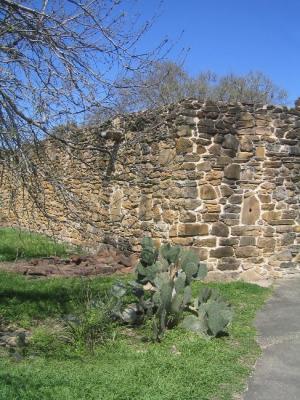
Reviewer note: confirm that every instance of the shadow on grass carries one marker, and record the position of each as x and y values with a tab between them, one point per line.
10	253
27	300
23	299
27	387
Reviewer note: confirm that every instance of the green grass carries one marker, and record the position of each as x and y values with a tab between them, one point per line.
16	244
126	368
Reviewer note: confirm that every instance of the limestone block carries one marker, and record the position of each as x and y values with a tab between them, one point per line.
219	229
169	216
226	190
285	255
191	157
271	215
207	242
201	149
247	241
232	209
288	264
215	149
184	145
182	241
235	199
247	251
264	198
246	144
210	217
214	175
187	216
290	214
212	208
267	206
166	156
184	131
282	222
204	166
267	243
244	155
115	206
192	204
207	192
145	208
225	251
190	192
222	161
192	229
287	238
230	142
228	264
260	152
250	210
232	171
280	193
250	276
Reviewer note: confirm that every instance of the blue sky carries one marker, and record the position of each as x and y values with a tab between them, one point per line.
234	36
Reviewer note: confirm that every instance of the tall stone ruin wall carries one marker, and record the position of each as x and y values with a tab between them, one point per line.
220	178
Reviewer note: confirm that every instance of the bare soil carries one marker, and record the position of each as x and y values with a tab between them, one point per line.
107	261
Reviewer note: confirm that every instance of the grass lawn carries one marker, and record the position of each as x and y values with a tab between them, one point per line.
15	244
183	366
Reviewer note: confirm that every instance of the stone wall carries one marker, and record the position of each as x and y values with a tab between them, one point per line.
221	178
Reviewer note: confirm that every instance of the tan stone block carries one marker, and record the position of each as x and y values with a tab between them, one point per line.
204	166
201	149
207	192
213	208
169	216
173	231
267	206
260	152
156	213
187	216
115	206
184	145
214	175
182	241
192	229
210	217
220	252
188	166
184	131
264	198
207	242
243	155
228	263
267	243
232	171
271	215
166	156
250	276
250	210
145	209
247	251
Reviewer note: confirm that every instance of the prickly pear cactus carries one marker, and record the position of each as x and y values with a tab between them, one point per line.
213	314
163	292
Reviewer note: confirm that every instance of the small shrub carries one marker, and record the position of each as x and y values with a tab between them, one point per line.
92	324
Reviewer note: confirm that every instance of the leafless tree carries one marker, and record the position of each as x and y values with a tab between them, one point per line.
59	60
168	82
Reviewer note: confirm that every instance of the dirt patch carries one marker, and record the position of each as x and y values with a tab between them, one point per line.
107	261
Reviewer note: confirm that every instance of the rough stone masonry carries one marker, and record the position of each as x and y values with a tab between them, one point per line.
221	178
